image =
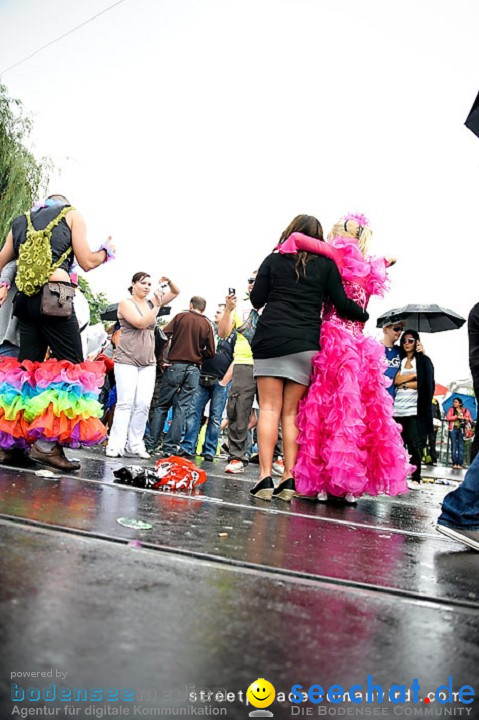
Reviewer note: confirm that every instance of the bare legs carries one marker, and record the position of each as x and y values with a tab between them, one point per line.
278	400
270	393
292	394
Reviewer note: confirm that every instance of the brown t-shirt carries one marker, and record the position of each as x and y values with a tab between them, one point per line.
136	347
192	338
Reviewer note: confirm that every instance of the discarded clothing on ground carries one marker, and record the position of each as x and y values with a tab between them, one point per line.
171	473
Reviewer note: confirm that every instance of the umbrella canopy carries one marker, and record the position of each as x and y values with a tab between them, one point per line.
111	313
423	318
472	120
440	389
469	402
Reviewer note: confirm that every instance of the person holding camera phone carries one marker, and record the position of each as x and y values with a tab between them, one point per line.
135	365
239	317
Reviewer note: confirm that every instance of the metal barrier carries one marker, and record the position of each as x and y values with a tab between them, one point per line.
443	446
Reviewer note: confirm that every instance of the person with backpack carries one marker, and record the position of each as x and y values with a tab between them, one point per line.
47	405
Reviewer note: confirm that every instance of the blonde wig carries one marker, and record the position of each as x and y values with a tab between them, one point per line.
353	226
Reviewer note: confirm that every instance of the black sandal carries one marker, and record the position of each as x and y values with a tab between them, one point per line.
285	490
263	489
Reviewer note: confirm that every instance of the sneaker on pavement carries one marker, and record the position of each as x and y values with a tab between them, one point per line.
112	453
208	458
468	537
278	466
235	467
414	484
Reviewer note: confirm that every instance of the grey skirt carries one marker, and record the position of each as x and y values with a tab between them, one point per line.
296	367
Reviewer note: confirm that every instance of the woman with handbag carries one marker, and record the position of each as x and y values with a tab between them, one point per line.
135	365
46	405
457	417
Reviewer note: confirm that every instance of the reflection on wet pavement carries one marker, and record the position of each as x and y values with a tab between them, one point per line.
227	587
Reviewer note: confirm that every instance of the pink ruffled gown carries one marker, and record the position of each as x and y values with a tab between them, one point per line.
348	439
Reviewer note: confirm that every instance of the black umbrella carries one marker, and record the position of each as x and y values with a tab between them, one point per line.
111	313
472	121
423	318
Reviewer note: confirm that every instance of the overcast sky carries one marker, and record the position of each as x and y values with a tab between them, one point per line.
193	131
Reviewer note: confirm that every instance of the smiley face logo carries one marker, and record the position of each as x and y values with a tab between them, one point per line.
261	693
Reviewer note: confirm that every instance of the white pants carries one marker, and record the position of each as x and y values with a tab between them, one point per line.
134	389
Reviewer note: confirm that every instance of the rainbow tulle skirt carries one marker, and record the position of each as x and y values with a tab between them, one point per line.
55	400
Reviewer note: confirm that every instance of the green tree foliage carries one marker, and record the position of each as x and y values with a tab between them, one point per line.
22	177
97	301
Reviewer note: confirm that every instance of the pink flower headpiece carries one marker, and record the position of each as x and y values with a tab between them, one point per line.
358	217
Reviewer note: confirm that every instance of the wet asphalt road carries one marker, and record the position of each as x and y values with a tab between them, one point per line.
224	589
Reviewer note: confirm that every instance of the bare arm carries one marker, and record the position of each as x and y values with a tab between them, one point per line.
127	310
226	324
408	384
86	258
410	378
171	293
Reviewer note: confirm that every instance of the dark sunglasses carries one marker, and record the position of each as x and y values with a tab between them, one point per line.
408	341
251	280
397	328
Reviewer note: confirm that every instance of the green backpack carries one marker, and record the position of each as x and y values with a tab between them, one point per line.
34	263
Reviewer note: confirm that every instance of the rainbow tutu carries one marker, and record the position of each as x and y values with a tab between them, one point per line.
55	400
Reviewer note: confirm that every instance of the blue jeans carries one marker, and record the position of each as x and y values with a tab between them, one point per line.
177	391
9	350
457	446
460	508
217	394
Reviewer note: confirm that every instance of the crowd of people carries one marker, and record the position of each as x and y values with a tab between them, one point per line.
338	414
